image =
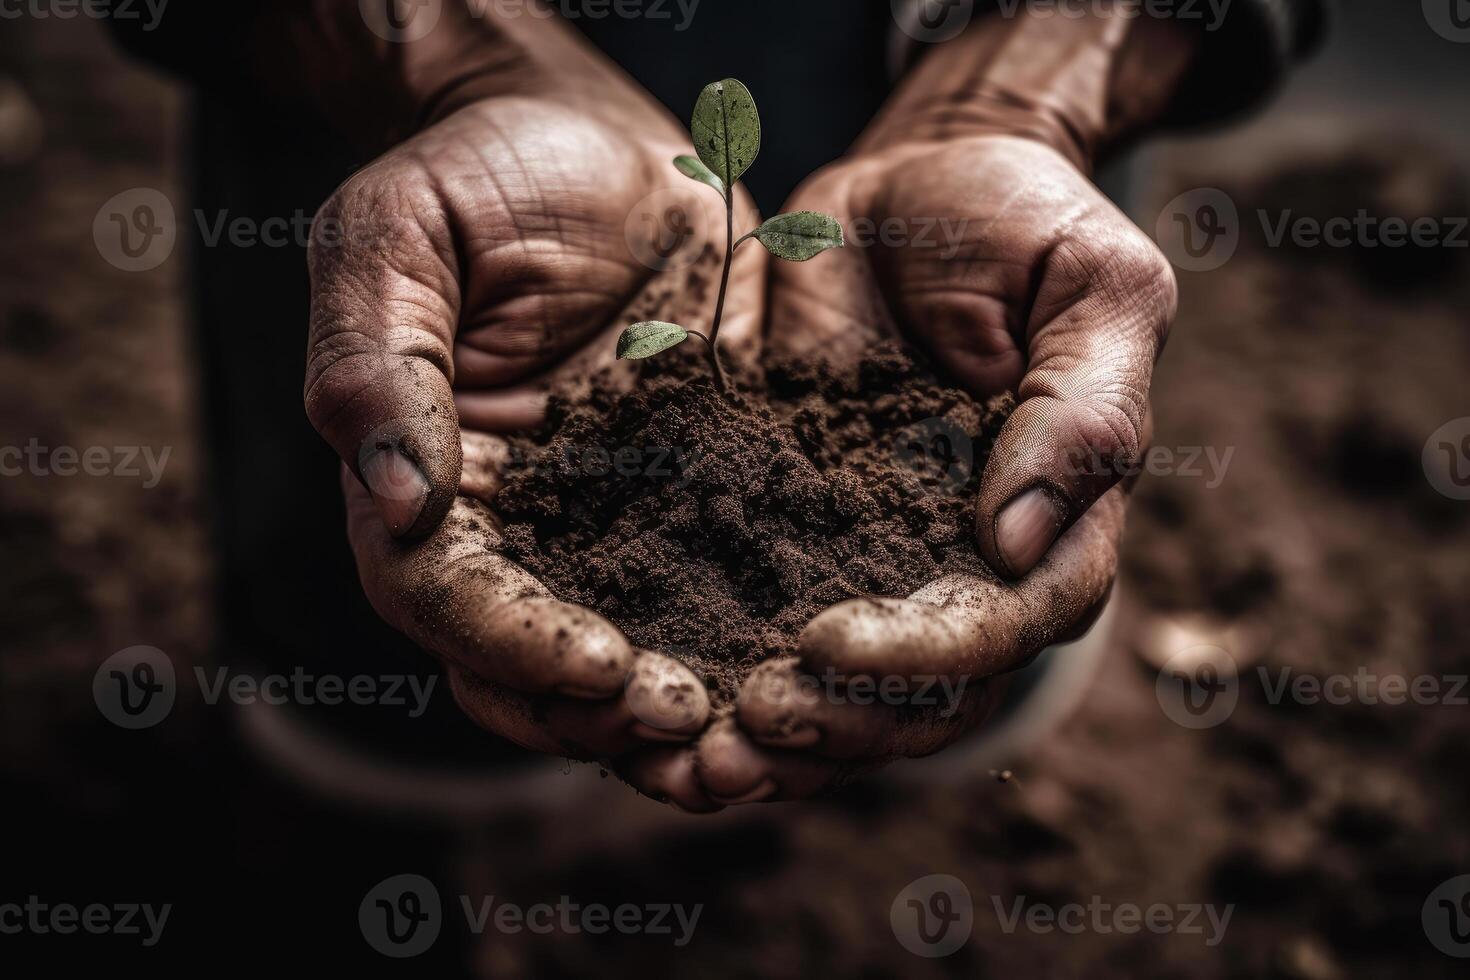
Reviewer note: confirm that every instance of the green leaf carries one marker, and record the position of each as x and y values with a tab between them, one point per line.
726	129
800	235
691	167
648	338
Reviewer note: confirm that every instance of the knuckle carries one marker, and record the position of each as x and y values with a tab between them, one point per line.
1113	423
1123	266
340	367
1144	271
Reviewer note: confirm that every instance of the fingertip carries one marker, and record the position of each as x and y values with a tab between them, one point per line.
666	699
542	644
881	637
667	774
731	769
411	466
398	488
769	707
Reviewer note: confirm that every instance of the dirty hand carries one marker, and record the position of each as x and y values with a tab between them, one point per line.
975	232
451	280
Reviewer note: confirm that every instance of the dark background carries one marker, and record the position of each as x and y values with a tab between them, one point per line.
1325	549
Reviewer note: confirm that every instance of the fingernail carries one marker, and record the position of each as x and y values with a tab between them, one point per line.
398	487
1025	529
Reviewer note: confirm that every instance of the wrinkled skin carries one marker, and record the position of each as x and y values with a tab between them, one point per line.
475	263
1050	292
497	261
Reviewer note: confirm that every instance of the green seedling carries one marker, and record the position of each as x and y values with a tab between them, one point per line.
727	137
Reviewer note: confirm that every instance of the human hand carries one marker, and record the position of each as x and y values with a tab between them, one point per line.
452	281
996	255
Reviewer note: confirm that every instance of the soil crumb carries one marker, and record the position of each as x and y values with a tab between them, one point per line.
713	528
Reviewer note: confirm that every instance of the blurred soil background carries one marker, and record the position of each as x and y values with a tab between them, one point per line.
1324	549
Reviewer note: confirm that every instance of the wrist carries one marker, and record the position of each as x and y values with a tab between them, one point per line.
1083	82
379	80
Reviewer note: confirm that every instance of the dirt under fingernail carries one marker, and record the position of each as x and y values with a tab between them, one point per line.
714	527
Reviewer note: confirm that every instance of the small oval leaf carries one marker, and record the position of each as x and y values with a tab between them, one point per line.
726	129
648	338
693	168
800	235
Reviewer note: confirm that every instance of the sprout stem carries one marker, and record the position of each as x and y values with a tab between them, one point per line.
714	330
719	372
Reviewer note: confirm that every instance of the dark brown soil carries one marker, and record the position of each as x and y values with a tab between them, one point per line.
714	528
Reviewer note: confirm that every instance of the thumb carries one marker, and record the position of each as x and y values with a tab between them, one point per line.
384	305
1102	311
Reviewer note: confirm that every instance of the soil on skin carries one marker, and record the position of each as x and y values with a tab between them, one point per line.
714	528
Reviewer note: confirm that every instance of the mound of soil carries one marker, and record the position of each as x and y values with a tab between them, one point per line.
714	527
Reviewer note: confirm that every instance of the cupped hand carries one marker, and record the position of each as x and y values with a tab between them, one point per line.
995	255
452	281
